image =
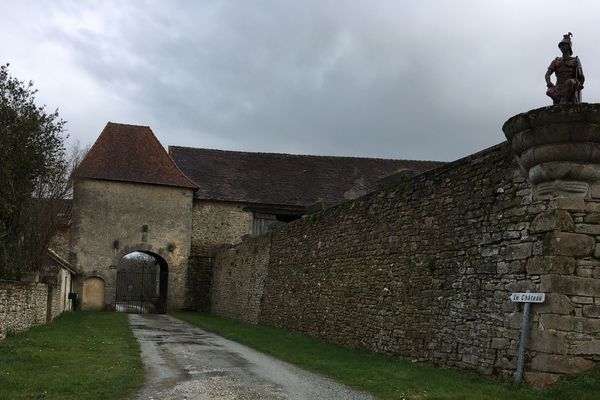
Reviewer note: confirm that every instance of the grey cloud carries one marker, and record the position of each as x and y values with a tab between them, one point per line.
426	80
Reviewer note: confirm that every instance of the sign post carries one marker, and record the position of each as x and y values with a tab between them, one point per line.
526	298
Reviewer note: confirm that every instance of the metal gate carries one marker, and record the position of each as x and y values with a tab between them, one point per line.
138	290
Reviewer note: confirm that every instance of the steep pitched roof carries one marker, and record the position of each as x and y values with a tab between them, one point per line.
284	179
131	153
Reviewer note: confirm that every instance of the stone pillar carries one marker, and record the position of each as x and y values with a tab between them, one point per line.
558	151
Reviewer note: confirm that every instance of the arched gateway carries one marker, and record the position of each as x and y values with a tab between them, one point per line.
142	283
129	196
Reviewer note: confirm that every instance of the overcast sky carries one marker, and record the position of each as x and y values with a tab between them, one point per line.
395	79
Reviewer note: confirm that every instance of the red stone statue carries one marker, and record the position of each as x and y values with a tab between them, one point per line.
569	75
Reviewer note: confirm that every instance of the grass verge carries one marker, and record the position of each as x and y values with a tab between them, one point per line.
385	377
82	355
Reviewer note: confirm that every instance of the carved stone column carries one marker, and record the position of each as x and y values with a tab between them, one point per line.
558	149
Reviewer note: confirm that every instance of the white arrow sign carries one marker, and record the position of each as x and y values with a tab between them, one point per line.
527	297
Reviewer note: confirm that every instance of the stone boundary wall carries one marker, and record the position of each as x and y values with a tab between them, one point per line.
22	305
424	270
239	280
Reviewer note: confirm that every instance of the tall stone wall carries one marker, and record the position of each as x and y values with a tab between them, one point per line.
425	269
22	305
240	278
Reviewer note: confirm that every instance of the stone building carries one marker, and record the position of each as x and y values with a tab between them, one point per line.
131	196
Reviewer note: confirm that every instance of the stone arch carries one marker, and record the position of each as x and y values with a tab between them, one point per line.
142	248
94	288
160	303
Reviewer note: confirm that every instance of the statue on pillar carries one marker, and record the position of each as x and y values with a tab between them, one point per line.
569	75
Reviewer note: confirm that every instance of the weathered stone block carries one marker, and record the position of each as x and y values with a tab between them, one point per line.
570	323
551	220
597	251
547	341
517	267
560	364
572	285
585	271
582	300
572	204
518	251
541	380
560	265
592	218
489	251
591	311
589	229
555	303
568	244
587	348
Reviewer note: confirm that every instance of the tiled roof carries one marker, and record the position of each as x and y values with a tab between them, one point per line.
284	179
131	153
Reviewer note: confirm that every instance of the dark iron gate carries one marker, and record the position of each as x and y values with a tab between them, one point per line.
138	290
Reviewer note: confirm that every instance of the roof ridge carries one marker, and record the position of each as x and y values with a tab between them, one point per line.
303	155
122	124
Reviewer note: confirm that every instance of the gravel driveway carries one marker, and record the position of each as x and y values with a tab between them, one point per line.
185	362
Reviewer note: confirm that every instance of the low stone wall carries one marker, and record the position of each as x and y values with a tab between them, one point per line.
22	305
425	269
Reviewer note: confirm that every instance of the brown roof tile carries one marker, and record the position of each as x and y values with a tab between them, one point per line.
131	153
285	179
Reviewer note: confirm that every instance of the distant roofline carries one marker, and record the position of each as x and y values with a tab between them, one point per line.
136	181
303	155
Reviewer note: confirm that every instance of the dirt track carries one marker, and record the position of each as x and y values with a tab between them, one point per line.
184	362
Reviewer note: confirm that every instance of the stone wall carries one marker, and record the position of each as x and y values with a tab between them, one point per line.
424	270
239	280
215	223
22	305
199	281
112	219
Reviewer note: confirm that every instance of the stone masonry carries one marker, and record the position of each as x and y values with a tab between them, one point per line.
424	270
22	305
109	219
215	223
248	263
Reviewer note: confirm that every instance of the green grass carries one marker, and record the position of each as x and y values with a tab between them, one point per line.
385	377
82	355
